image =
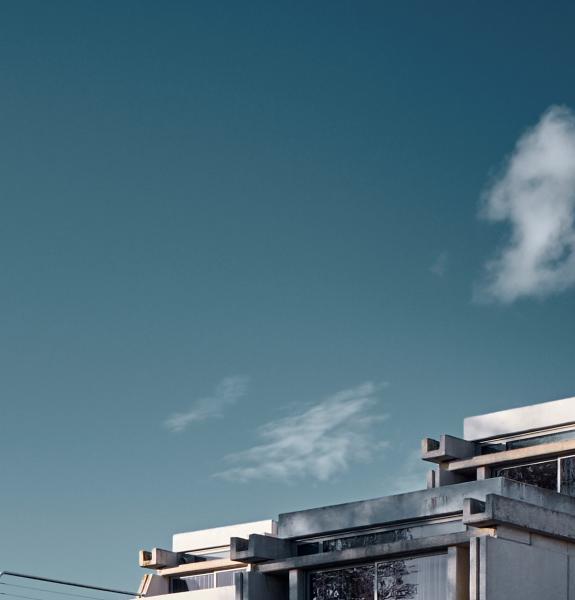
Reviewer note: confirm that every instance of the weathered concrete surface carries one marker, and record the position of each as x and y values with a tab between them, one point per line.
365	553
260	548
498	510
448	448
513	571
414	505
389	509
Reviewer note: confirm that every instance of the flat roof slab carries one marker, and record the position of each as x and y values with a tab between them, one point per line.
520	420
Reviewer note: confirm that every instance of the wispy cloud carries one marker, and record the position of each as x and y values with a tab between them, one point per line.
535	194
319	442
440	264
227	392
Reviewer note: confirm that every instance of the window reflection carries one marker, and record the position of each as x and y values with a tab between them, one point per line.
567	474
422	578
352	583
542	474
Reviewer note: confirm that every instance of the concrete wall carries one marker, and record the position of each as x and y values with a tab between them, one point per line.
534	568
219	536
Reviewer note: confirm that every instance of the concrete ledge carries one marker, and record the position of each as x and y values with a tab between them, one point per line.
259	548
520	420
542	451
157	558
388	510
498	510
448	448
206	566
404	547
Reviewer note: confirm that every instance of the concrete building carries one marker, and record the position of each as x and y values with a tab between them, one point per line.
496	522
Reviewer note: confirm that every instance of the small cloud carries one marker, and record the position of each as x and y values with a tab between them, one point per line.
319	442
535	194
440	264
227	392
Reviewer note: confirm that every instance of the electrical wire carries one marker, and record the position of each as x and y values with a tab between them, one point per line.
28	587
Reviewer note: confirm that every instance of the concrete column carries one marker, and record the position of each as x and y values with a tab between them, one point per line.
297	584
458	573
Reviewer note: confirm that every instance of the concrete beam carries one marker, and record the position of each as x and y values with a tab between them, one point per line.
158	558
259	548
448	448
542	451
387	510
498	510
365	553
206	566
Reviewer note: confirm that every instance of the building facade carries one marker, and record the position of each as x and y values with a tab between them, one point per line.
495	522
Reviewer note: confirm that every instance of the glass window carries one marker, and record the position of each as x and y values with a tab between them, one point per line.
196	582
359	541
542	439
542	474
227	578
351	583
567	476
422	578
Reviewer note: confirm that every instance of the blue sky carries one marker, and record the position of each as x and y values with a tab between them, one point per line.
251	253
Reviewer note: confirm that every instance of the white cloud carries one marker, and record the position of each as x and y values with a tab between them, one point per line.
439	266
319	442
227	392
536	195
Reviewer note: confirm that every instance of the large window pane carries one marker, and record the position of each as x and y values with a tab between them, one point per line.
541	439
567	473
543	474
352	583
422	578
195	582
360	541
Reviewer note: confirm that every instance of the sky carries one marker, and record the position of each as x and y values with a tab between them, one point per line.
252	252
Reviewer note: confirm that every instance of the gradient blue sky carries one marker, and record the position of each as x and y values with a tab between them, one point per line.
284	193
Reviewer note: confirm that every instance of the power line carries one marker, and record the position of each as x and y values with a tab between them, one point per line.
28	587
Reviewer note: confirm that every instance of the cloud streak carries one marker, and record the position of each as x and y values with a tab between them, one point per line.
227	392
535	195
319	442
440	264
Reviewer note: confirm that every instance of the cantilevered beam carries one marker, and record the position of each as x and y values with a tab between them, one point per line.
511	456
499	510
447	448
